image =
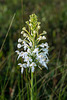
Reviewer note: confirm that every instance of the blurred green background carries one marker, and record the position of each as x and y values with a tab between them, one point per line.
52	84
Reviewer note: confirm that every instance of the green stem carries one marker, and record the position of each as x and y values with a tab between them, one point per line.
27	86
32	92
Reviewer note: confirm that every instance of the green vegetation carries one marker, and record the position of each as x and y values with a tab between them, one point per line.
49	84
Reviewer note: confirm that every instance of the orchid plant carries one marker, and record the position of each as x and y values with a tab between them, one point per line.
35	53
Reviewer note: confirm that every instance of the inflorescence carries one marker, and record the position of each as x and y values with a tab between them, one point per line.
35	53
